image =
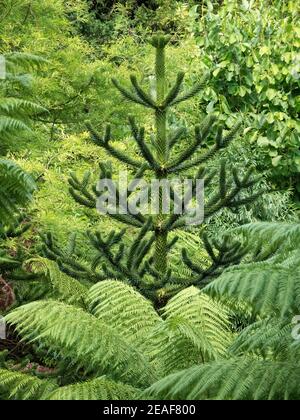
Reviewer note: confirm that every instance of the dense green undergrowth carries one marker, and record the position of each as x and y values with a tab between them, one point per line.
88	340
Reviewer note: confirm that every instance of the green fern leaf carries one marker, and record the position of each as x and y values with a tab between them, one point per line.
123	308
65	288
195	330
17	385
234	379
101	388
16	188
82	340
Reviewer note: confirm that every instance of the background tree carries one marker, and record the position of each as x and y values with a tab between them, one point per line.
159	158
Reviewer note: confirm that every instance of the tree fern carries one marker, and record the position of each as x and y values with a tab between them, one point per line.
123	308
16	188
18	107
198	309
81	340
269	286
17	385
101	388
65	288
15	112
14	115
194	329
20	61
263	361
234	379
124	338
269	339
192	326
284	235
8	124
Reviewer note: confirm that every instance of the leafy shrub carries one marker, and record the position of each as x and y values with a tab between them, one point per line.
252	48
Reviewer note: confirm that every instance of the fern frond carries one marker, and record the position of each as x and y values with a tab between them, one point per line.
13	106
287	235
267	338
25	61
195	330
11	124
65	287
123	308
81	340
16	188
200	310
17	385
101	388
234	379
267	287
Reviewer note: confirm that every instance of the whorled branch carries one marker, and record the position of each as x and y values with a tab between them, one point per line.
228	195
223	253
104	142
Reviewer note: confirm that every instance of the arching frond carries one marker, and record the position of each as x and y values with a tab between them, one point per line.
123	308
65	288
268	338
8	123
195	330
16	188
283	234
209	316
234	379
270	284
15	106
16	61
267	287
81	340
17	385
101	388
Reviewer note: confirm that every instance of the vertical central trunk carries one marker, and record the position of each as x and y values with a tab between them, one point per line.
161	240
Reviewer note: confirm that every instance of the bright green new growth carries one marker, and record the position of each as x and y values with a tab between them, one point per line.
142	266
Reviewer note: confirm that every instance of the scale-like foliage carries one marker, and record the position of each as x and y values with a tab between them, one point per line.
147	257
